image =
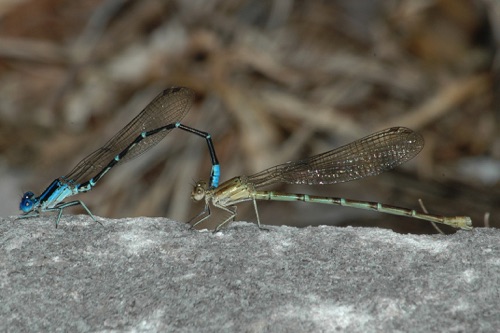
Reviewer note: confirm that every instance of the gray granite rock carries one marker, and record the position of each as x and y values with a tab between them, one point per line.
155	275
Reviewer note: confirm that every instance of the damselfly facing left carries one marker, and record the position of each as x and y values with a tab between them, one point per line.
149	127
365	157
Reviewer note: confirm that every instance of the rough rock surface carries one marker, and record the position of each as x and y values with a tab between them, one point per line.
153	274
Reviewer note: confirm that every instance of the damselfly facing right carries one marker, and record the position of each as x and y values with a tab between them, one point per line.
365	157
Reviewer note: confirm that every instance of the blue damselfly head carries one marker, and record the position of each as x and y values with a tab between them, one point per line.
27	202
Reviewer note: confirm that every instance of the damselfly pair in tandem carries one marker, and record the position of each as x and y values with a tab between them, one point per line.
365	157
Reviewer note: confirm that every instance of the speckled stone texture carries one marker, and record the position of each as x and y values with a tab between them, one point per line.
153	274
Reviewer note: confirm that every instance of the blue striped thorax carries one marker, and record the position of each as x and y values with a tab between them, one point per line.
56	192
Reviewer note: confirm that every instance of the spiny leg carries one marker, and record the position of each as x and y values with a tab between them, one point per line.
63	205
257	215
59	216
28	215
88	211
206	210
227	209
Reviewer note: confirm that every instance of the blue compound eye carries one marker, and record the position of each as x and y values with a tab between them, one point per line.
27	202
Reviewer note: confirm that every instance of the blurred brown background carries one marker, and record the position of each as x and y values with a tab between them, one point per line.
275	81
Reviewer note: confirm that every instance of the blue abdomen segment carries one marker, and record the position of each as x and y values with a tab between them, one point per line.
215	176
